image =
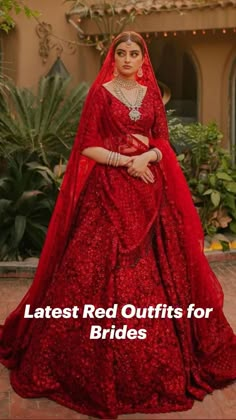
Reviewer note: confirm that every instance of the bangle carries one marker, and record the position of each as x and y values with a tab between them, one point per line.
158	153
113	159
116	159
109	158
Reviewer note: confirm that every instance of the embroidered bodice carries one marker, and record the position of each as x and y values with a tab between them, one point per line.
110	121
120	112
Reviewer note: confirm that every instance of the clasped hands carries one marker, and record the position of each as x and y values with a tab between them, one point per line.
138	167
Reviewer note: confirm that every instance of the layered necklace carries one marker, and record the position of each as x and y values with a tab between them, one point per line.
120	84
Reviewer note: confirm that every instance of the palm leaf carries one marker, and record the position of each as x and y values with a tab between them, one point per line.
52	94
44	123
36	234
19	230
4	206
20	99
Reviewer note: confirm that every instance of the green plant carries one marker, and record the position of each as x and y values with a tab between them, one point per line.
16	6
27	196
209	171
44	123
3	87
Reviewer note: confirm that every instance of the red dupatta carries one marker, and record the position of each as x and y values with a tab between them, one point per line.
205	287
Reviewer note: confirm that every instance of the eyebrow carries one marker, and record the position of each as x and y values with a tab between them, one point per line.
120	49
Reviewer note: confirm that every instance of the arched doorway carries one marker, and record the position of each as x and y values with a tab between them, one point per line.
174	66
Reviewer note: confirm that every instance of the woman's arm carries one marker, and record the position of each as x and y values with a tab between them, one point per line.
101	155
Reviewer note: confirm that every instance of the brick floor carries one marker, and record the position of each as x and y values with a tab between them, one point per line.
220	405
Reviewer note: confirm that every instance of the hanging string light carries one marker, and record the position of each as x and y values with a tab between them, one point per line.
150	35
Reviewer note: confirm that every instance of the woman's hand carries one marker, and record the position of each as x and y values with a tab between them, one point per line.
147	177
139	168
125	160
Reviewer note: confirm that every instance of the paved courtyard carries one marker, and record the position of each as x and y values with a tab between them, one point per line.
220	405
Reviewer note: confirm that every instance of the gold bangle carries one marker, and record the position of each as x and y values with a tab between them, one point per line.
113	159
109	158
158	153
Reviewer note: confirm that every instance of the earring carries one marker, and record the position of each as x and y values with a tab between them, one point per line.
115	72
140	72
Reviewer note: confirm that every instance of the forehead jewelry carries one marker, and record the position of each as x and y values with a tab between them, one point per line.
128	42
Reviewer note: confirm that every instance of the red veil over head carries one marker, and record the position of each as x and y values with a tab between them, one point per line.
177	203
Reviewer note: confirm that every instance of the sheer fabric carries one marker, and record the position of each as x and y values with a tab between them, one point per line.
114	239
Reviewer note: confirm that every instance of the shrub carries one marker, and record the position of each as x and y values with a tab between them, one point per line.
44	123
209	171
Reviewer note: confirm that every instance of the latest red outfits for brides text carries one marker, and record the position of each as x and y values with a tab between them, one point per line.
114	239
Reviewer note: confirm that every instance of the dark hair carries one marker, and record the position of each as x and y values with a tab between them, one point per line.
129	36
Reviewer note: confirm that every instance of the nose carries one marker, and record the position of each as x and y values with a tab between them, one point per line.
127	58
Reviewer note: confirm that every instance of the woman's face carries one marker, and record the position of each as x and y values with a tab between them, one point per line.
128	59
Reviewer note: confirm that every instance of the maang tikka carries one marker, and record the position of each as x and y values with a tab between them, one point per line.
129	41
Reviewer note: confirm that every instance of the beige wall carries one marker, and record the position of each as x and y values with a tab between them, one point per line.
21	47
215	69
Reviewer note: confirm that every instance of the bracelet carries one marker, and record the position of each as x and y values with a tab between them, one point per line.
109	158
158	153
113	159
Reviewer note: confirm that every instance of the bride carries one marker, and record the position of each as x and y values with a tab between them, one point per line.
124	247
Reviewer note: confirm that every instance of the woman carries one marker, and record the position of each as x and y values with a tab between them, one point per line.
124	232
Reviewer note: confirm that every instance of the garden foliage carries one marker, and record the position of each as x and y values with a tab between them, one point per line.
209	171
36	135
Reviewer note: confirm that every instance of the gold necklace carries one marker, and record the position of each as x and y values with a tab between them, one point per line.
126	83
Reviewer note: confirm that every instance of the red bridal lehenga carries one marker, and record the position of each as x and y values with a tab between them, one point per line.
115	240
